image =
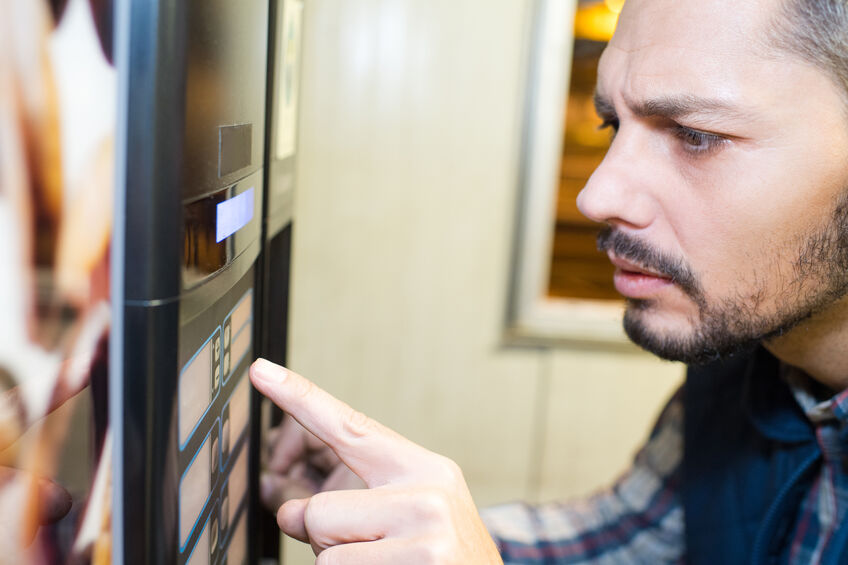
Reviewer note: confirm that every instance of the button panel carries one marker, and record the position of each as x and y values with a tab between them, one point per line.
213	423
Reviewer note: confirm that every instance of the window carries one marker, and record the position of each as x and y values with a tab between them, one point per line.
563	286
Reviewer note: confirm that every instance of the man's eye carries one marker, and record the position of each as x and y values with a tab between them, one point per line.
698	142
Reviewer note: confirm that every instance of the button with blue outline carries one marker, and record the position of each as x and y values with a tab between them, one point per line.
200	554
195	486
195	388
238	333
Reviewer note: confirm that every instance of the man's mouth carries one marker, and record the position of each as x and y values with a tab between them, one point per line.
636	281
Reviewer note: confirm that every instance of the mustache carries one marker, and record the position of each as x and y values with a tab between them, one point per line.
637	251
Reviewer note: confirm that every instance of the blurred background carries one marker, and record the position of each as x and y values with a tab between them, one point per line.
409	170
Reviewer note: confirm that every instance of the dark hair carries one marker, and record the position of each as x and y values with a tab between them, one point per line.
817	31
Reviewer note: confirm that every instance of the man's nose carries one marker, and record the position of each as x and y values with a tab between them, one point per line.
618	192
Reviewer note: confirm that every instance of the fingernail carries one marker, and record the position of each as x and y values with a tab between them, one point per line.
268	372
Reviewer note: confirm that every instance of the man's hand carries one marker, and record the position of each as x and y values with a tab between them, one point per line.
299	465
417	508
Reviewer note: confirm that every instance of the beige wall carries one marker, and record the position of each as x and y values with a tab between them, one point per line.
408	156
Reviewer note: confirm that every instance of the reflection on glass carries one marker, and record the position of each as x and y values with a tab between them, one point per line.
202	253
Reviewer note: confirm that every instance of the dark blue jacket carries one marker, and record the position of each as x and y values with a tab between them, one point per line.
750	456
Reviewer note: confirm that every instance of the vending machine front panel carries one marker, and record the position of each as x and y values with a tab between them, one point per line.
188	235
213	422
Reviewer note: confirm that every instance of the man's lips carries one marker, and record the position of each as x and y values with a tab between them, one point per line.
635	281
629	267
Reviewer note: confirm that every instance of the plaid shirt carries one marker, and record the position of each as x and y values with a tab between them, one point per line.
640	518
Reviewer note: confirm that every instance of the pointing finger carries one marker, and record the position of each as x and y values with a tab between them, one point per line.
371	450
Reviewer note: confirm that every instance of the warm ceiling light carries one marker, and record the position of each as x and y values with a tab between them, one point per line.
614	6
596	21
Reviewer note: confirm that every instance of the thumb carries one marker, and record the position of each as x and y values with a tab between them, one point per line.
291	519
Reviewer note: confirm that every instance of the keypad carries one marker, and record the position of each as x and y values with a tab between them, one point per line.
213	421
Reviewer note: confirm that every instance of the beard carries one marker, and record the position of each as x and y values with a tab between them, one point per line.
816	278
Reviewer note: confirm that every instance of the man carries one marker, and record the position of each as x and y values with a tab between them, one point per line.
725	196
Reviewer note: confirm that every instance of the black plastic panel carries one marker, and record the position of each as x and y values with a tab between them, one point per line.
235	148
153	149
225	86
272	338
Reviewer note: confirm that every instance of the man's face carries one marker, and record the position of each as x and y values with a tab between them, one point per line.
727	177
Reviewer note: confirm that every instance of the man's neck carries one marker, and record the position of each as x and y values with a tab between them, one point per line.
818	346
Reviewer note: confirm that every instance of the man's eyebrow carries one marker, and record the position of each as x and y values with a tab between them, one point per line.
672	107
603	107
683	105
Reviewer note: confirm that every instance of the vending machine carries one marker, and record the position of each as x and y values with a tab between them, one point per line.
187	238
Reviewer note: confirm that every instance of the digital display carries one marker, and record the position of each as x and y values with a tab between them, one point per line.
233	214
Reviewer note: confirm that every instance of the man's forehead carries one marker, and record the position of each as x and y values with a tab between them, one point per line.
704	46
714	24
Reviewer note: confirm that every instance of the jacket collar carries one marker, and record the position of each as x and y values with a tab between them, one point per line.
770	402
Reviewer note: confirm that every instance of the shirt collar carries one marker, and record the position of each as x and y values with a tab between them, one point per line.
818	402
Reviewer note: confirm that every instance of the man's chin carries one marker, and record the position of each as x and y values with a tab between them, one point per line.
680	340
651	320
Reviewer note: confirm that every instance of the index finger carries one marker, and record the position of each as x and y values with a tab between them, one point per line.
375	453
